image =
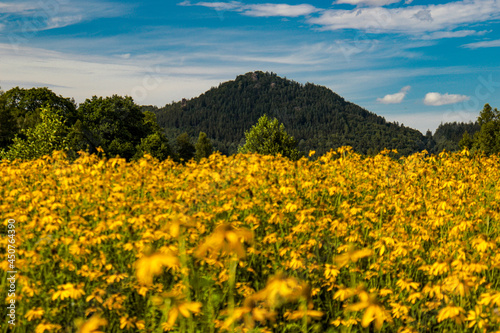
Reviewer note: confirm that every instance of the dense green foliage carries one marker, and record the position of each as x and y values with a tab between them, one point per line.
185	149
487	139
20	110
317	119
268	137
315	116
203	147
448	135
48	135
37	121
116	122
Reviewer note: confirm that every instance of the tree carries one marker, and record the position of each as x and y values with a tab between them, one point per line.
26	104
115	123
488	137
47	136
466	141
487	115
8	126
156	145
203	147
268	137
185	149
20	111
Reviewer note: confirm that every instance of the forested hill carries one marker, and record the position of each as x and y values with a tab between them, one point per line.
316	117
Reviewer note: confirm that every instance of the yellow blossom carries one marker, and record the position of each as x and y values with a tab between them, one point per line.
149	266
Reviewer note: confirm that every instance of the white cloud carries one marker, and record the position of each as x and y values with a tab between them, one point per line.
416	20
436	99
271	9
33	15
233	5
454	34
395	98
258	10
410	19
477	45
7	8
149	80
374	3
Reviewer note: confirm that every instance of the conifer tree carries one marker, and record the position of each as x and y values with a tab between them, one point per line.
203	147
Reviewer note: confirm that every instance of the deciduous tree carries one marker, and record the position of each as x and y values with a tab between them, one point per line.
268	137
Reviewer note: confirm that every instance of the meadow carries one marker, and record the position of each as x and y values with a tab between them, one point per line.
251	243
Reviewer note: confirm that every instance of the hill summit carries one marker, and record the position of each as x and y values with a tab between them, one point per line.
315	116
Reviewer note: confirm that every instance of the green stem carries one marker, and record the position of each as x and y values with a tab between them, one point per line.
185	278
303	305
233	264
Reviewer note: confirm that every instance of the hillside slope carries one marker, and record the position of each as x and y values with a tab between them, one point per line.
317	117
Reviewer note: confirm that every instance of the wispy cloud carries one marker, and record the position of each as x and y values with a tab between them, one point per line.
436	99
453	34
284	10
374	3
258	10
233	5
7	8
146	78
484	44
410	19
430	21
395	98
30	15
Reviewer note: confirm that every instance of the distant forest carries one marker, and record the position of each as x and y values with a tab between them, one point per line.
217	120
316	117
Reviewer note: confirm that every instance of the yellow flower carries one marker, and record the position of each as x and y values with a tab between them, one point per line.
92	325
45	326
180	307
345	293
224	240
352	255
115	278
451	312
407	284
68	290
281	289
399	310
373	310
149	266
250	312
476	318
127	322
35	313
314	314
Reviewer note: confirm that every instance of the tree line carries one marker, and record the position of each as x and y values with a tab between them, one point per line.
315	116
34	122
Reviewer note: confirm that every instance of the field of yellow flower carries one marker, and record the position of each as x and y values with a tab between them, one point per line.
251	243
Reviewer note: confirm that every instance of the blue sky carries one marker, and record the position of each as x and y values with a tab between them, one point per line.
416	62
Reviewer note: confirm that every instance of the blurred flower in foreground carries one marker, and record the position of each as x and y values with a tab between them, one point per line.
352	255
224	240
149	266
281	289
92	325
175	304
250	312
373	310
